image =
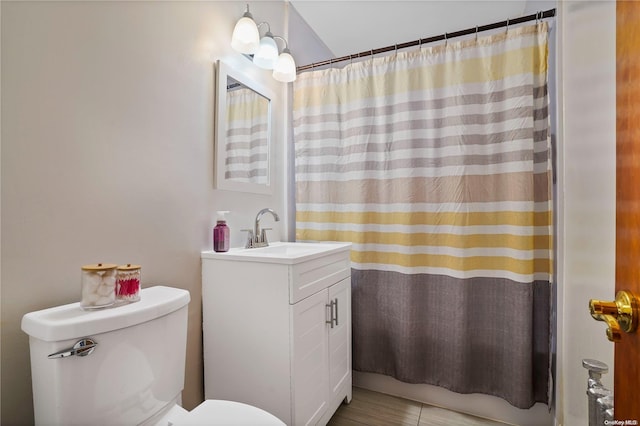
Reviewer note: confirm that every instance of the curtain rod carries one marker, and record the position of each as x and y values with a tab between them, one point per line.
446	36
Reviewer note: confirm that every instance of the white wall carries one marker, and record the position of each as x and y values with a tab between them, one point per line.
348	27
587	181
107	156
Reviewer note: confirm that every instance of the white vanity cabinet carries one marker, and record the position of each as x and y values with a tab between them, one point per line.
277	329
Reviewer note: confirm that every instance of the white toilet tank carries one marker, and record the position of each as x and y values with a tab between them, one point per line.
133	375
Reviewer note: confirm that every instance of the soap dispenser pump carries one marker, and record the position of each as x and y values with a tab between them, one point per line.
221	233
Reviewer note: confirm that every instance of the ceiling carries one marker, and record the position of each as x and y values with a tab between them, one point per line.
349	27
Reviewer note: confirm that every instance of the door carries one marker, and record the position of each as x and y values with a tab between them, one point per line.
340	336
309	359
627	350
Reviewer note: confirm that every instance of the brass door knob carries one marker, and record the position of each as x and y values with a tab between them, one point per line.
620	315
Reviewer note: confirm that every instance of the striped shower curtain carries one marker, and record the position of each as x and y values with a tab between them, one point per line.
247	142
436	164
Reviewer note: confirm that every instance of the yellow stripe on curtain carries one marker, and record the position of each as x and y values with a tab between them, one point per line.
472	263
524	243
515	218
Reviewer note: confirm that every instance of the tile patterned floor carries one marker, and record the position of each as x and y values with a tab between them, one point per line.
377	409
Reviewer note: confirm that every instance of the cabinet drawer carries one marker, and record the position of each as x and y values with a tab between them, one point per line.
310	277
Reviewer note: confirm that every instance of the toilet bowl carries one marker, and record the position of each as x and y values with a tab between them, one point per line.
223	413
121	365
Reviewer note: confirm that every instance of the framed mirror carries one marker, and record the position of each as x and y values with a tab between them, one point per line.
243	137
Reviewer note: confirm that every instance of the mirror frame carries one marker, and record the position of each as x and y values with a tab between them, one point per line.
225	70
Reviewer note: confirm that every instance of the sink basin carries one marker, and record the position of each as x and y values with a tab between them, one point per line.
280	252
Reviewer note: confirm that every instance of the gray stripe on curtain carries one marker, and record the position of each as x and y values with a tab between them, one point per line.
503	326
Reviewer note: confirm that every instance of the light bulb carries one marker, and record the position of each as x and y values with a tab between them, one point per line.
267	53
285	69
246	37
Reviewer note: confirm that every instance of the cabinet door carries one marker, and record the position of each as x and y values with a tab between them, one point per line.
310	362
340	335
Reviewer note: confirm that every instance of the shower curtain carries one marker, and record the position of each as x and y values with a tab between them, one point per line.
247	142
436	164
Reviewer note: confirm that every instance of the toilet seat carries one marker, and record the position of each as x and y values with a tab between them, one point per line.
225	413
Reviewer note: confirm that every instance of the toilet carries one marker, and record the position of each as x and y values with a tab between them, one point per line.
121	366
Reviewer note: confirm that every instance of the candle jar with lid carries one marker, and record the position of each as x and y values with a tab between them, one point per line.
128	286
98	286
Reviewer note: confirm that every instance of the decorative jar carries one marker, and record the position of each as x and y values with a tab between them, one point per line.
128	285
98	286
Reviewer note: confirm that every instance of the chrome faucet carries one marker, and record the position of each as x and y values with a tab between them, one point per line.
258	237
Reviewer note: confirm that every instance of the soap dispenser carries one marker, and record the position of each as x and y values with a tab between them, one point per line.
221	233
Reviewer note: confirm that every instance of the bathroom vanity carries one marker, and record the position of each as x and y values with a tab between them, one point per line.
277	328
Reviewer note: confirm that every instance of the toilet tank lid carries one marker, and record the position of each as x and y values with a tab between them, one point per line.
71	321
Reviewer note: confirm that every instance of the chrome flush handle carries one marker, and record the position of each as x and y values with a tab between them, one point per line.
82	347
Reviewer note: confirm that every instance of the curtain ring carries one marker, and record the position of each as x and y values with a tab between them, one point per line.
476	33
507	26
420	45
445	40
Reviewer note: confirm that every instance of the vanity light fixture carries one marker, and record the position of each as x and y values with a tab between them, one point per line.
246	39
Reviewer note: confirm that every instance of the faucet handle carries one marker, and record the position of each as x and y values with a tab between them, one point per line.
263	235
249	243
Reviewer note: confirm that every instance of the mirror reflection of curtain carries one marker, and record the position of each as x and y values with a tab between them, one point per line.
246	146
436	164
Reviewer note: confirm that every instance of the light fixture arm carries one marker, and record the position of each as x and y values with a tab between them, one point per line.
264	23
247	14
286	45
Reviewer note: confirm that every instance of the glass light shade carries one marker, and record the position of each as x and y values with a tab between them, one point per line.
267	53
285	69
246	38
